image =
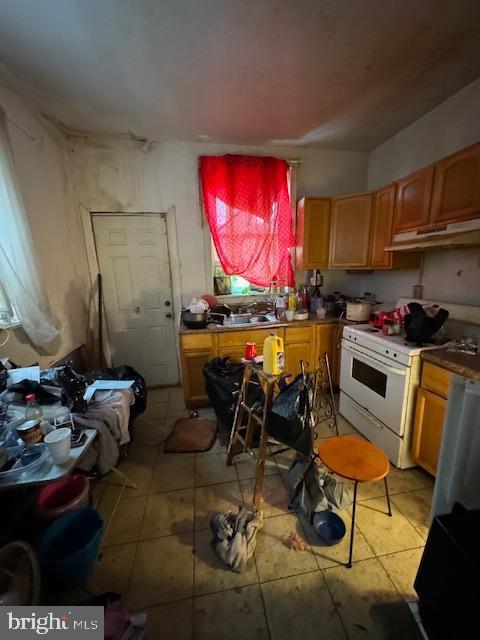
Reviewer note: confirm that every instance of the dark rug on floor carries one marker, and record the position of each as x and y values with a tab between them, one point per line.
190	435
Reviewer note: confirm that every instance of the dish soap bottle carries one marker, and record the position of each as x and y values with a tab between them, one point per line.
33	411
273	355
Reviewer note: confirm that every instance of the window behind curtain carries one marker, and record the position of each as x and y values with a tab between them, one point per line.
247	203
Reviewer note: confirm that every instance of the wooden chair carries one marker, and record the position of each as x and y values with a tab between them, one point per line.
356	460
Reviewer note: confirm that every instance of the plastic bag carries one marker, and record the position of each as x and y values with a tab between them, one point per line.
287	421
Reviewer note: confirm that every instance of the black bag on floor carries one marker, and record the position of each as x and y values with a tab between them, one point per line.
223	379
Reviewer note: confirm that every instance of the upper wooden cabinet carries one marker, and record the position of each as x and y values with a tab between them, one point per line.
456	187
412	202
350	236
382	227
313	233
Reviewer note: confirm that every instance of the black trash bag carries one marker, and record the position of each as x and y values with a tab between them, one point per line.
73	387
285	421
223	379
25	387
125	372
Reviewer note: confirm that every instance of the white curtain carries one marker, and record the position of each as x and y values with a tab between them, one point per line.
19	271
458	475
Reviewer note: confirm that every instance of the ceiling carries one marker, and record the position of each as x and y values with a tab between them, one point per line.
334	73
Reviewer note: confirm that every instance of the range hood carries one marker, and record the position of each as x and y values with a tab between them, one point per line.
457	234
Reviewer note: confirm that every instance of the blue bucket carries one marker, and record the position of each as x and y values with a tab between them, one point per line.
70	546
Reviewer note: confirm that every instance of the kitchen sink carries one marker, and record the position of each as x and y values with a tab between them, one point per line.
249	318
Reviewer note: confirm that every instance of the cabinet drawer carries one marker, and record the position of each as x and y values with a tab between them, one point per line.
191	342
239	338
436	379
298	334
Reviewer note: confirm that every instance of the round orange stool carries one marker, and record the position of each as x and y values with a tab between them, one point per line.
356	460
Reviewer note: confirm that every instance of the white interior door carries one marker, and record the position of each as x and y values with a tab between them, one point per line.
133	258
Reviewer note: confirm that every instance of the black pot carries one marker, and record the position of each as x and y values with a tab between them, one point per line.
195	320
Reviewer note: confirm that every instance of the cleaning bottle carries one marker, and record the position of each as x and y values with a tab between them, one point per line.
273	355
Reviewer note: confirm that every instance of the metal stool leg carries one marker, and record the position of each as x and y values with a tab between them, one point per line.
388	496
349	565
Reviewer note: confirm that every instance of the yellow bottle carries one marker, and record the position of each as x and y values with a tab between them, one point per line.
273	355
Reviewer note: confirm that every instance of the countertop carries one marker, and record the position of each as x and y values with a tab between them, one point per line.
261	325
455	361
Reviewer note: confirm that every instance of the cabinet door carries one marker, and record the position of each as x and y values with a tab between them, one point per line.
382	228
313	233
193	381
325	342
427	434
456	187
350	238
412	202
294	353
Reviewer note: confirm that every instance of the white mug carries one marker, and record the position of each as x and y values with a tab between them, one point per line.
58	443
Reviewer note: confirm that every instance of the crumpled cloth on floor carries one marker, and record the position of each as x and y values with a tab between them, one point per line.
234	537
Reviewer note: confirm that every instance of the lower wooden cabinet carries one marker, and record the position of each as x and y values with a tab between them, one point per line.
192	375
302	342
429	417
299	345
326	342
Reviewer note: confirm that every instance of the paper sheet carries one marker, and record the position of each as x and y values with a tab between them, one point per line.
109	385
23	373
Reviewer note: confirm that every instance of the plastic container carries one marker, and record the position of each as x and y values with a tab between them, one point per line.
70	546
63	496
20	470
273	355
329	527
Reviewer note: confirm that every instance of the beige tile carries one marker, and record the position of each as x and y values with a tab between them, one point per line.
167	513
274	558
173	471
284	460
236	614
137	469
383	533
416	506
160	394
151	431
215	498
126	523
358	592
399	481
97	489
172	621
213	470
217	448
156	411
274	493
402	568
113	569
247	466
210	572
162	572
303	604
326	428
176	402
331	556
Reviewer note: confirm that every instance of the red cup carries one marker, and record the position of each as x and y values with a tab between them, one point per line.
250	351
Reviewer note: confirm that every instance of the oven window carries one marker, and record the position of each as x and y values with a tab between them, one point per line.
370	377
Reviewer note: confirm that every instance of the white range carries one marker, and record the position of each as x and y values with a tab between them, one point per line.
379	378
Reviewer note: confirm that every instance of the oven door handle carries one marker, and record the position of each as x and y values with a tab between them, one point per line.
398	372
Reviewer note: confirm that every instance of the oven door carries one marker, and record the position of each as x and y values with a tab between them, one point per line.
377	384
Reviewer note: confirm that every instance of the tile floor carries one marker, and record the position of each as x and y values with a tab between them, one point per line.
157	551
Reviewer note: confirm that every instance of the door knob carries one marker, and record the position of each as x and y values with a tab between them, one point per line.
168	315
137	309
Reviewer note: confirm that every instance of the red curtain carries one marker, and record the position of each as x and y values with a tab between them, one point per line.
248	208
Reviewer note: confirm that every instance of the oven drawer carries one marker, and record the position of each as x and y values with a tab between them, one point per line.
393	446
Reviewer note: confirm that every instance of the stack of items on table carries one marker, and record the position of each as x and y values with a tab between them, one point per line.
60	392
